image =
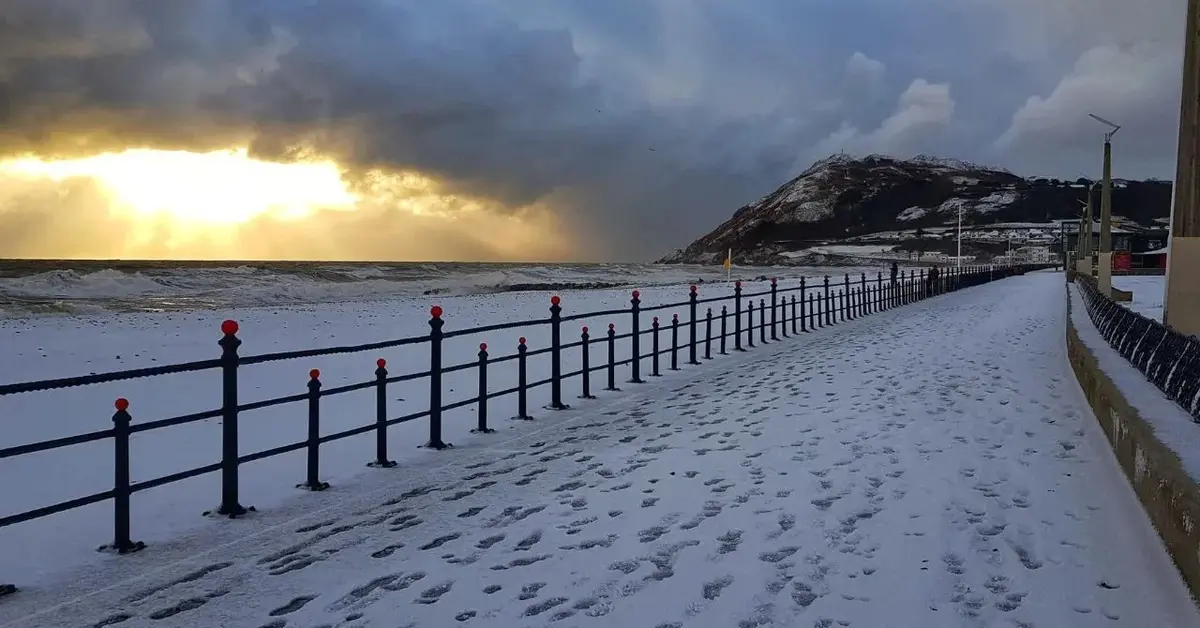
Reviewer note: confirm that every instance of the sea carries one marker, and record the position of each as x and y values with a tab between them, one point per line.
73	287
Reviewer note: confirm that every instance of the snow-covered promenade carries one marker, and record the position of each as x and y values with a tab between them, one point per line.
935	465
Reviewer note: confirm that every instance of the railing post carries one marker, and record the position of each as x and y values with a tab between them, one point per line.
814	322
864	295
922	289
708	334
585	341
797	316
435	379
313	483
826	310
762	321
556	354
654	347
692	303
381	443
737	316
750	324
635	366
803	313
122	544
674	342
229	421
879	292
612	357
724	331
774	304
846	297
783	316
522	382
481	426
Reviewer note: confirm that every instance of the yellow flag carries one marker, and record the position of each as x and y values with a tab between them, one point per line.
727	263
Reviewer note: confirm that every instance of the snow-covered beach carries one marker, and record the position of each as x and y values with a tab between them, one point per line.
931	466
48	549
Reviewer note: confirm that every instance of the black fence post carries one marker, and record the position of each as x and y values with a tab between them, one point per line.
750	324
585	341
522	382
612	357
724	331
122	544
813	322
692	303
654	347
803	313
825	309
635	366
481	426
229	421
922	287
435	379
774	310
797	316
708	334
845	297
674	342
864	295
381	442
556	354
314	483
762	321
737	316
783	316
879	292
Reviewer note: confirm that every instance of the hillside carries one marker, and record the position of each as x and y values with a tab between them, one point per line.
842	200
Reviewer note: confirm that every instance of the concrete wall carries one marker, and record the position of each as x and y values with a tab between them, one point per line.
1166	491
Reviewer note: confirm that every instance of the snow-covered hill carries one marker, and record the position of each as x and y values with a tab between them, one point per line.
842	200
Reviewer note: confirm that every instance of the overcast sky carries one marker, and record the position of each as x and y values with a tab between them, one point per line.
640	123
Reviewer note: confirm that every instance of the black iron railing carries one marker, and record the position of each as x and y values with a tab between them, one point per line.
1169	359
779	312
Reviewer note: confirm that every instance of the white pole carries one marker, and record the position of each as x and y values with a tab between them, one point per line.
729	269
959	264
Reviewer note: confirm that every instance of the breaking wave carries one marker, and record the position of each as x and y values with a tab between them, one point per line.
84	287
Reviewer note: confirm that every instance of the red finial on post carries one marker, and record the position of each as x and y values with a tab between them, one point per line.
772	281
585	329
314	374
483	346
737	284
636	294
521	341
611	327
656	319
121	404
693	288
381	363
436	311
674	317
229	327
554	300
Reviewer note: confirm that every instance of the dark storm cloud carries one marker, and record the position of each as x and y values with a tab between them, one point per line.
641	122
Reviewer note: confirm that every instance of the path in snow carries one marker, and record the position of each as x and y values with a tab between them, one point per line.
933	466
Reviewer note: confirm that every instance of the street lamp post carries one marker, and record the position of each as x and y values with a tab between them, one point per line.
960	211
1104	260
1181	298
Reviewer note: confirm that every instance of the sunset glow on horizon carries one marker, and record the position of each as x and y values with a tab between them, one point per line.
168	204
219	187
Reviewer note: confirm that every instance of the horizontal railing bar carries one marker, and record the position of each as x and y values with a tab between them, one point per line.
55	443
114	376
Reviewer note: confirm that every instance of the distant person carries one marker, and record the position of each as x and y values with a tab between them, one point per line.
895	271
934	274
